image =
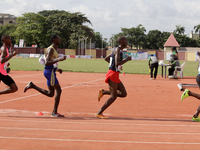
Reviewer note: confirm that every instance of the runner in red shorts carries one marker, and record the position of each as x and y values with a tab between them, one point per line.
116	88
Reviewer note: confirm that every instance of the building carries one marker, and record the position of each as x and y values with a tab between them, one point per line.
195	36
7	18
171	42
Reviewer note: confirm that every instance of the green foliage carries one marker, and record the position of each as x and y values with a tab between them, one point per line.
185	41
135	36
197	28
8	29
98	41
179	29
155	39
31	27
39	27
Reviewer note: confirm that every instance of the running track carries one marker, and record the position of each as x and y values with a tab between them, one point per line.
150	117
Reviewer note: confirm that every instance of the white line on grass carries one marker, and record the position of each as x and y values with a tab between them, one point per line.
98	131
79	84
98	141
103	123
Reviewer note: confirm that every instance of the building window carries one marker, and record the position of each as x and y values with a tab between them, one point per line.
10	22
1	22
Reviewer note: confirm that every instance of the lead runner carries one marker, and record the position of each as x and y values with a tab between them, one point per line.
116	87
51	58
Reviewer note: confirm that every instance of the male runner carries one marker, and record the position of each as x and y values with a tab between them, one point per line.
4	64
51	59
187	93
116	88
154	64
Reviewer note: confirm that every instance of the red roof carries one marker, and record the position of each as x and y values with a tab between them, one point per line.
171	42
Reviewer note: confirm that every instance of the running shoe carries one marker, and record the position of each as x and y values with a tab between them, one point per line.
56	115
100	116
28	86
195	119
185	94
100	94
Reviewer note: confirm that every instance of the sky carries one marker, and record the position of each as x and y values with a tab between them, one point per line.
109	16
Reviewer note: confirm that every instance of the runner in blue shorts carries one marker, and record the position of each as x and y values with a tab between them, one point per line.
51	61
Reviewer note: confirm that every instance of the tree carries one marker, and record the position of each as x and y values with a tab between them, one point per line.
31	28
69	26
37	28
135	36
99	40
185	41
154	40
179	29
197	28
8	29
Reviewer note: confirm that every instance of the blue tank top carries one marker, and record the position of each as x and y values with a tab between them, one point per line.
112	61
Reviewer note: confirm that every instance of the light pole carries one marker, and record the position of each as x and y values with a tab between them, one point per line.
85	44
78	45
102	47
90	46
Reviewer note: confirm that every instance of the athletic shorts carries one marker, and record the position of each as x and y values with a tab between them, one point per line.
113	76
198	80
51	76
6	79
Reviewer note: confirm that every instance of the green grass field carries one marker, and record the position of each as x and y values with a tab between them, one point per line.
94	65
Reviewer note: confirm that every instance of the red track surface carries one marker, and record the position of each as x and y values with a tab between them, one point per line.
150	117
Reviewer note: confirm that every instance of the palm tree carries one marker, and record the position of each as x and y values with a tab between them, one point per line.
179	29
197	28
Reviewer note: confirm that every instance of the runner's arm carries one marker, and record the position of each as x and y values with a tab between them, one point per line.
4	54
48	56
107	58
117	58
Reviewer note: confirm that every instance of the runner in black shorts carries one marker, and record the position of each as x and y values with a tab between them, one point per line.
187	93
6	79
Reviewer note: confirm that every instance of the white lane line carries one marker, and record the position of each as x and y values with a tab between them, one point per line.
98	141
19	98
100	123
79	84
98	131
27	75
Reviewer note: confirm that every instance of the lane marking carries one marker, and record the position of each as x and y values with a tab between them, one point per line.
27	75
98	141
100	123
98	131
79	84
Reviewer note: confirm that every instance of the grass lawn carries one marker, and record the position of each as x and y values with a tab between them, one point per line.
95	65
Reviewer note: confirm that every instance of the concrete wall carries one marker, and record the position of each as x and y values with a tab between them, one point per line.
181	55
108	52
160	55
70	52
151	52
190	56
169	48
93	52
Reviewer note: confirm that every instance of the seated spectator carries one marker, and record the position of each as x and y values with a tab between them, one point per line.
174	62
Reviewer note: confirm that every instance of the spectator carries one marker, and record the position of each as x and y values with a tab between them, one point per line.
154	64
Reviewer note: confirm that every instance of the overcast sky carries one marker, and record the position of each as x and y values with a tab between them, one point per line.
108	16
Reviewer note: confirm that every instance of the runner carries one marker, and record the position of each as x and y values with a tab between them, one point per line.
187	93
51	61
116	88
5	57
